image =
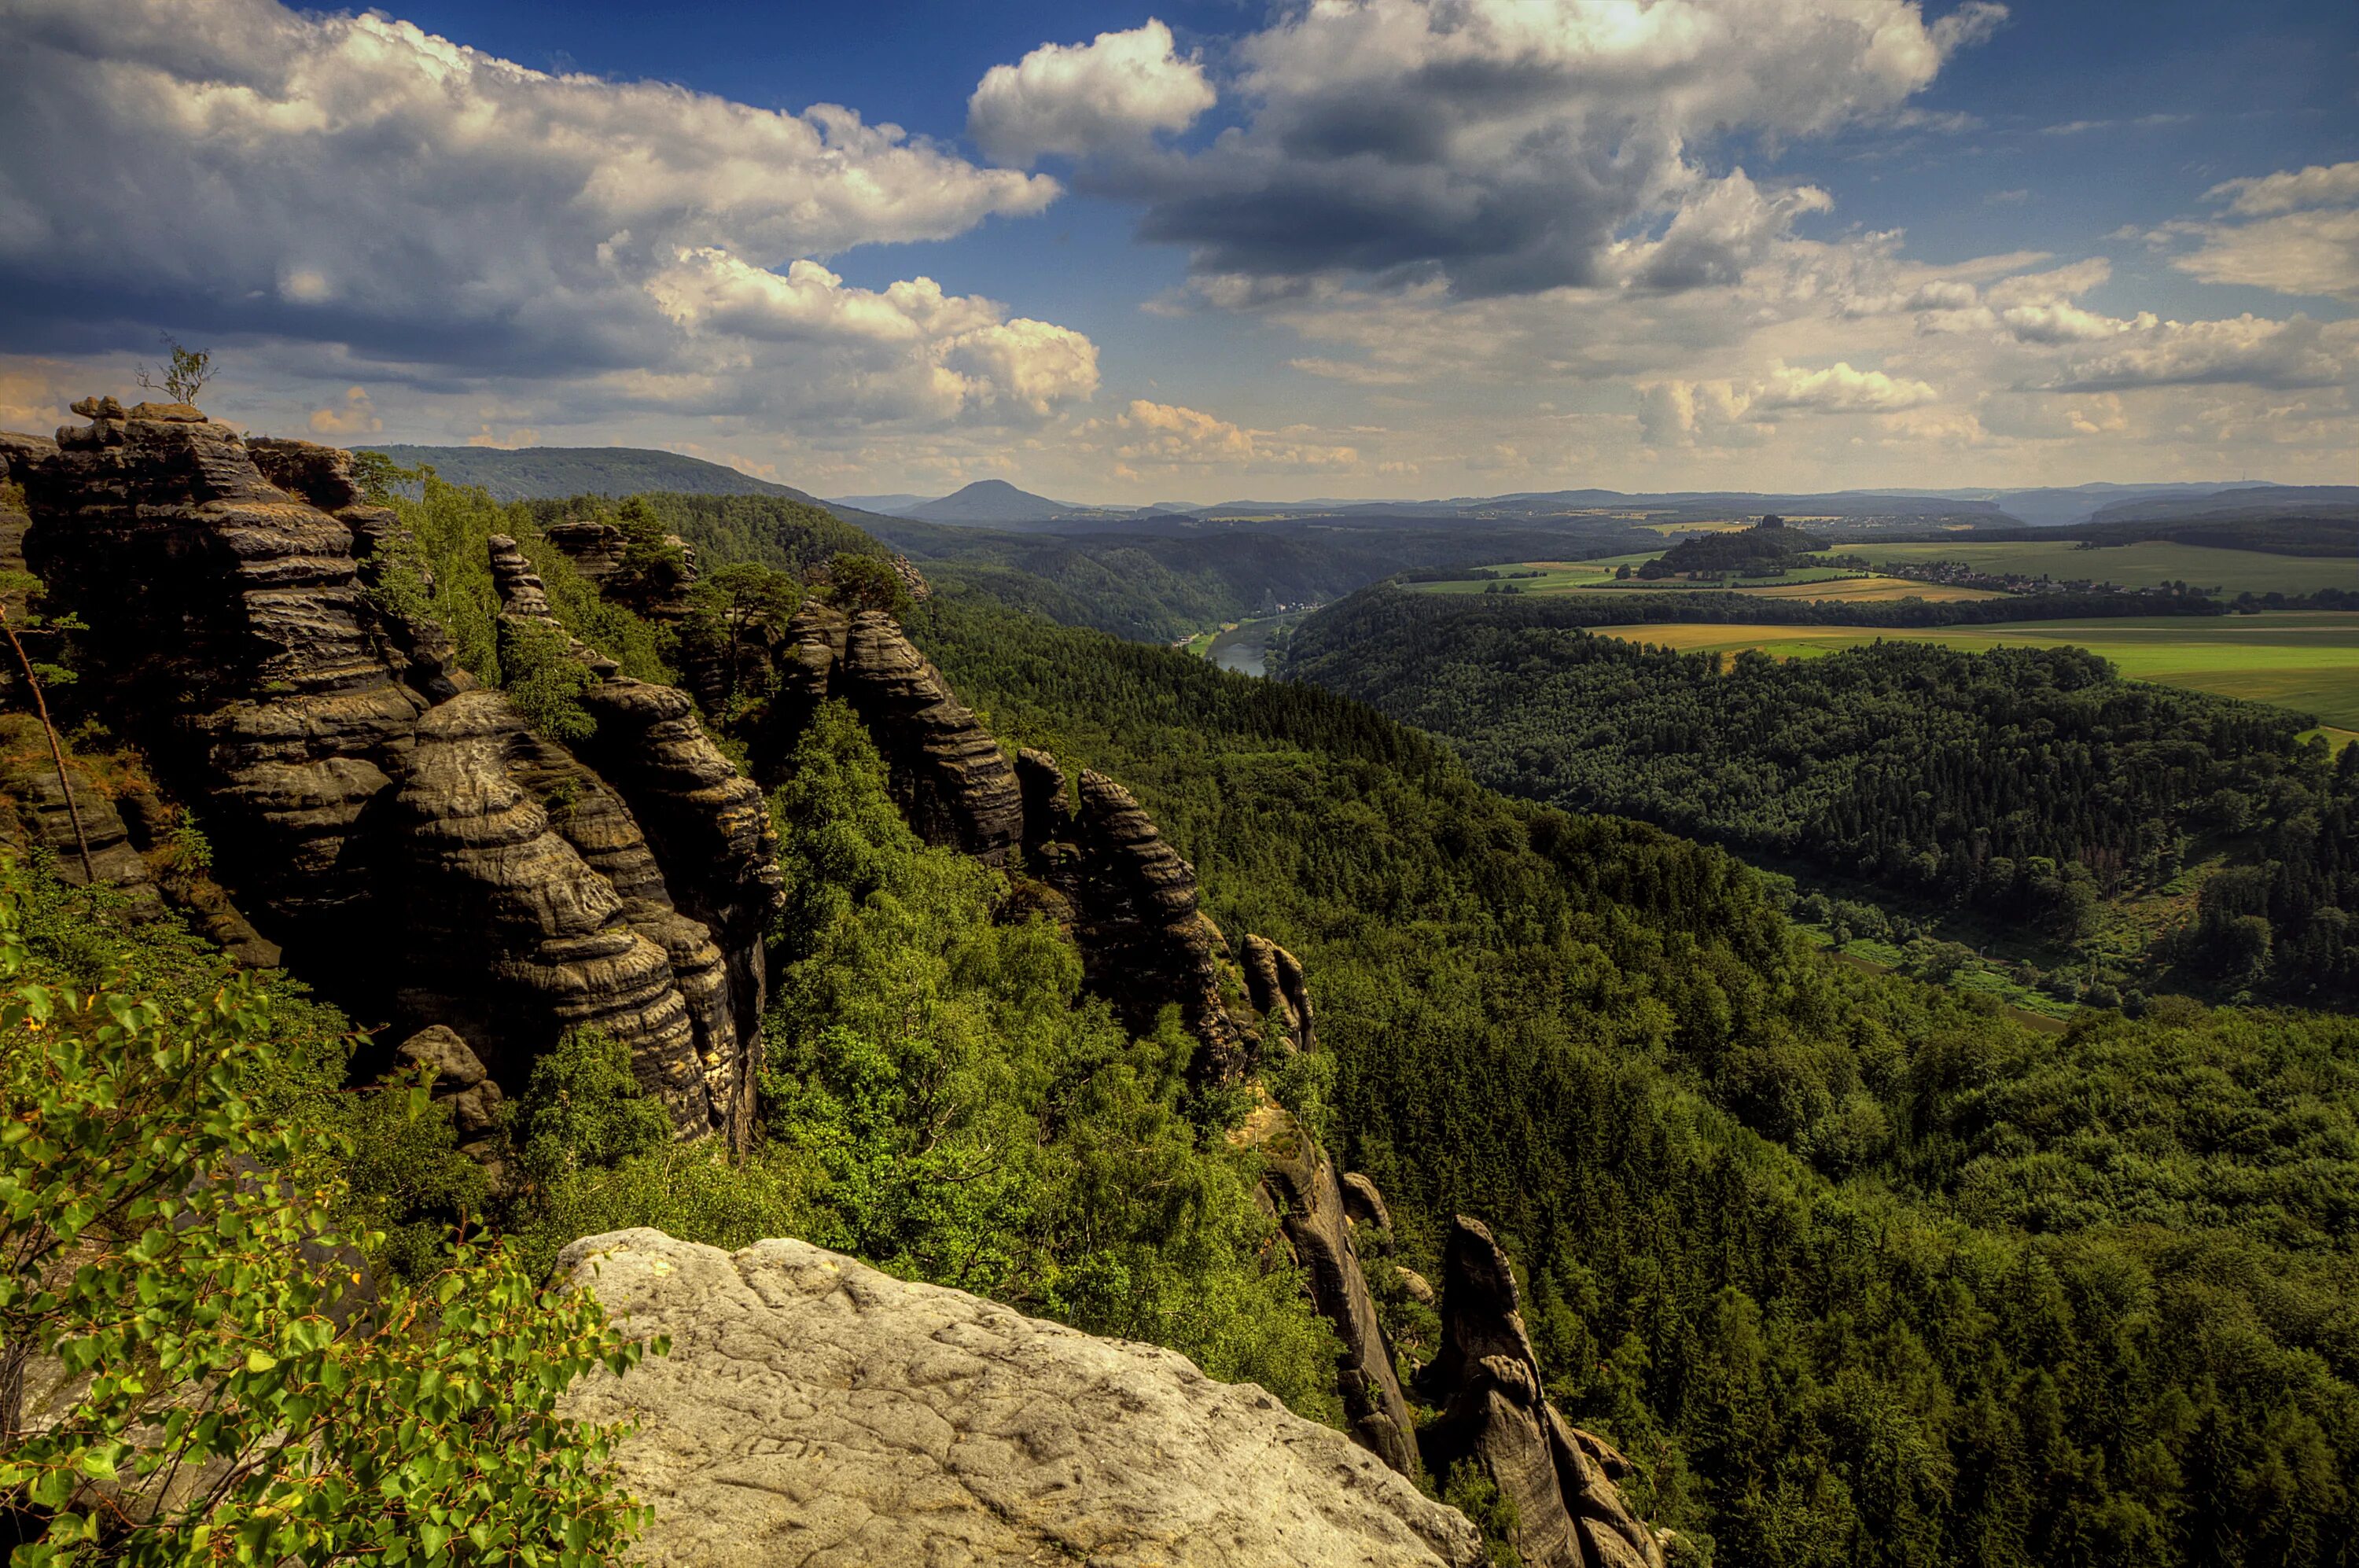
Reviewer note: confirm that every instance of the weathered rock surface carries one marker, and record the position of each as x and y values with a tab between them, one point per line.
1274	981
1496	1415
413	843
1300	1180
42	819
462	1086
1146	942
708	828
598	548
816	1412
511	938
1364	1204
227	628
947	772
419	648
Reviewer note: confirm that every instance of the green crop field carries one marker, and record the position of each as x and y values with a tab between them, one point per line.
2136	565
2307	662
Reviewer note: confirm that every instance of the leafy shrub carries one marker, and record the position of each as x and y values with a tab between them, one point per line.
198	1366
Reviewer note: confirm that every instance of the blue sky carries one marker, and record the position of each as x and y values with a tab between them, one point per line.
1349	247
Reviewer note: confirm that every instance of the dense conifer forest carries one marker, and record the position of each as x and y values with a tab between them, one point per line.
2028	784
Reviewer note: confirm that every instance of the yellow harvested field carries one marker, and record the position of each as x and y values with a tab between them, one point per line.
1858	589
1697	528
2303	661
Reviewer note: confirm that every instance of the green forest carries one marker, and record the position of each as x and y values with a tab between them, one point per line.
2028	784
1855	1269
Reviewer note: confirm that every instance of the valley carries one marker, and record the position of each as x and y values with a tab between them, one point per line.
1297	784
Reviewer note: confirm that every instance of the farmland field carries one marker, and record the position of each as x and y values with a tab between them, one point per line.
2136	565
1597	577
2307	662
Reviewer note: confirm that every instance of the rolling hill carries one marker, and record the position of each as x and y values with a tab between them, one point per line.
536	472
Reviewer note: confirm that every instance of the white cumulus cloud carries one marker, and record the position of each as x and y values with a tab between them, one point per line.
1110	94
2295	232
426	211
1150	435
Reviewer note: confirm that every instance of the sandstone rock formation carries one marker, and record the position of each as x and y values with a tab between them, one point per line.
460	1085
1299	1181
704	820
40	819
947	772
510	937
1274	981
415	846
814	1410
227	625
1569	1512
1145	942
598	549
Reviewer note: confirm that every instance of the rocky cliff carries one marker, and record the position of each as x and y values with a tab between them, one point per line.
815	1410
1133	910
1558	1480
418	852
946	770
1301	1185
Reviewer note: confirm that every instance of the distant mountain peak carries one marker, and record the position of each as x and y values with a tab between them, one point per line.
991	501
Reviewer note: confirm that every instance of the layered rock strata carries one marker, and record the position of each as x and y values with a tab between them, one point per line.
1568	1512
1145	939
412	843
705	823
418	645
512	939
226	622
947	772
816	1411
598	548
43	821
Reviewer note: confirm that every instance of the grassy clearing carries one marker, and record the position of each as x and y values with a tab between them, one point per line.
2307	661
2137	565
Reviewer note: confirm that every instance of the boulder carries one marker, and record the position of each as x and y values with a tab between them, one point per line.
460	1085
815	1410
1364	1204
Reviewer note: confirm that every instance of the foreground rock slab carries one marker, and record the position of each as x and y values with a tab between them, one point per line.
815	1411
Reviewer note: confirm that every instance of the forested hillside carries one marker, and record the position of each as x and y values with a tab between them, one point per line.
1159	582
2028	784
530	472
1865	1275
